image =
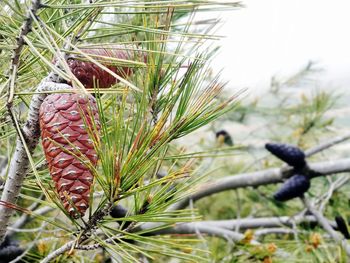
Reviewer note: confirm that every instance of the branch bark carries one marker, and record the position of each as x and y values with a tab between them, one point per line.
263	222
58	252
19	162
265	177
327	144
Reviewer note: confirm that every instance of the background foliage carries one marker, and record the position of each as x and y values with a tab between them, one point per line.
167	129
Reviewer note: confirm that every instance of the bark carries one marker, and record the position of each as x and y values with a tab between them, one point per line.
265	177
19	162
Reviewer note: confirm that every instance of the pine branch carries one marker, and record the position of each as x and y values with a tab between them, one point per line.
262	222
58	252
327	144
186	228
264	177
26	28
19	162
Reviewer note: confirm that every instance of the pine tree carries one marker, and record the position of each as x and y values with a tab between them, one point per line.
113	84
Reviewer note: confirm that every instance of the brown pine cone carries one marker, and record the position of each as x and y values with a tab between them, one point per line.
66	123
86	71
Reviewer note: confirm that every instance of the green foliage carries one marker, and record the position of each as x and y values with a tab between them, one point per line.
169	96
299	113
147	122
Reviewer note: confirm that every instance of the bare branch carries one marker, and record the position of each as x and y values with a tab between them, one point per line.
327	144
193	227
264	177
185	228
263	222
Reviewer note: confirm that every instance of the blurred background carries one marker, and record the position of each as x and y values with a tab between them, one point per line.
274	37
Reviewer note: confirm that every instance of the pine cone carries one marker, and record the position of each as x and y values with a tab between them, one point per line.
9	250
224	137
295	186
66	122
118	211
342	226
87	71
290	154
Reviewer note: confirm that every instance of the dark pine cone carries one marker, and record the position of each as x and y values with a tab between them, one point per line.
342	227
295	186
118	211
9	250
290	154
225	137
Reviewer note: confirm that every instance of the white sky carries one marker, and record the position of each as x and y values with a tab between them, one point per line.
271	37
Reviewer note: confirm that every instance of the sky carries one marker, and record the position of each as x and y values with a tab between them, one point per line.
278	37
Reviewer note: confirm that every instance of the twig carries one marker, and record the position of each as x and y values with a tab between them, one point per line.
211	228
85	234
26	28
193	227
263	222
326	226
58	252
332	188
327	144
264	177
25	218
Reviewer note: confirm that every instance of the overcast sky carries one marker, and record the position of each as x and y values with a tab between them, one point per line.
271	37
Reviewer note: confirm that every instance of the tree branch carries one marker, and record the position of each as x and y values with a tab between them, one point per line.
218	228
327	144
19	162
263	222
264	177
58	252
25	29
